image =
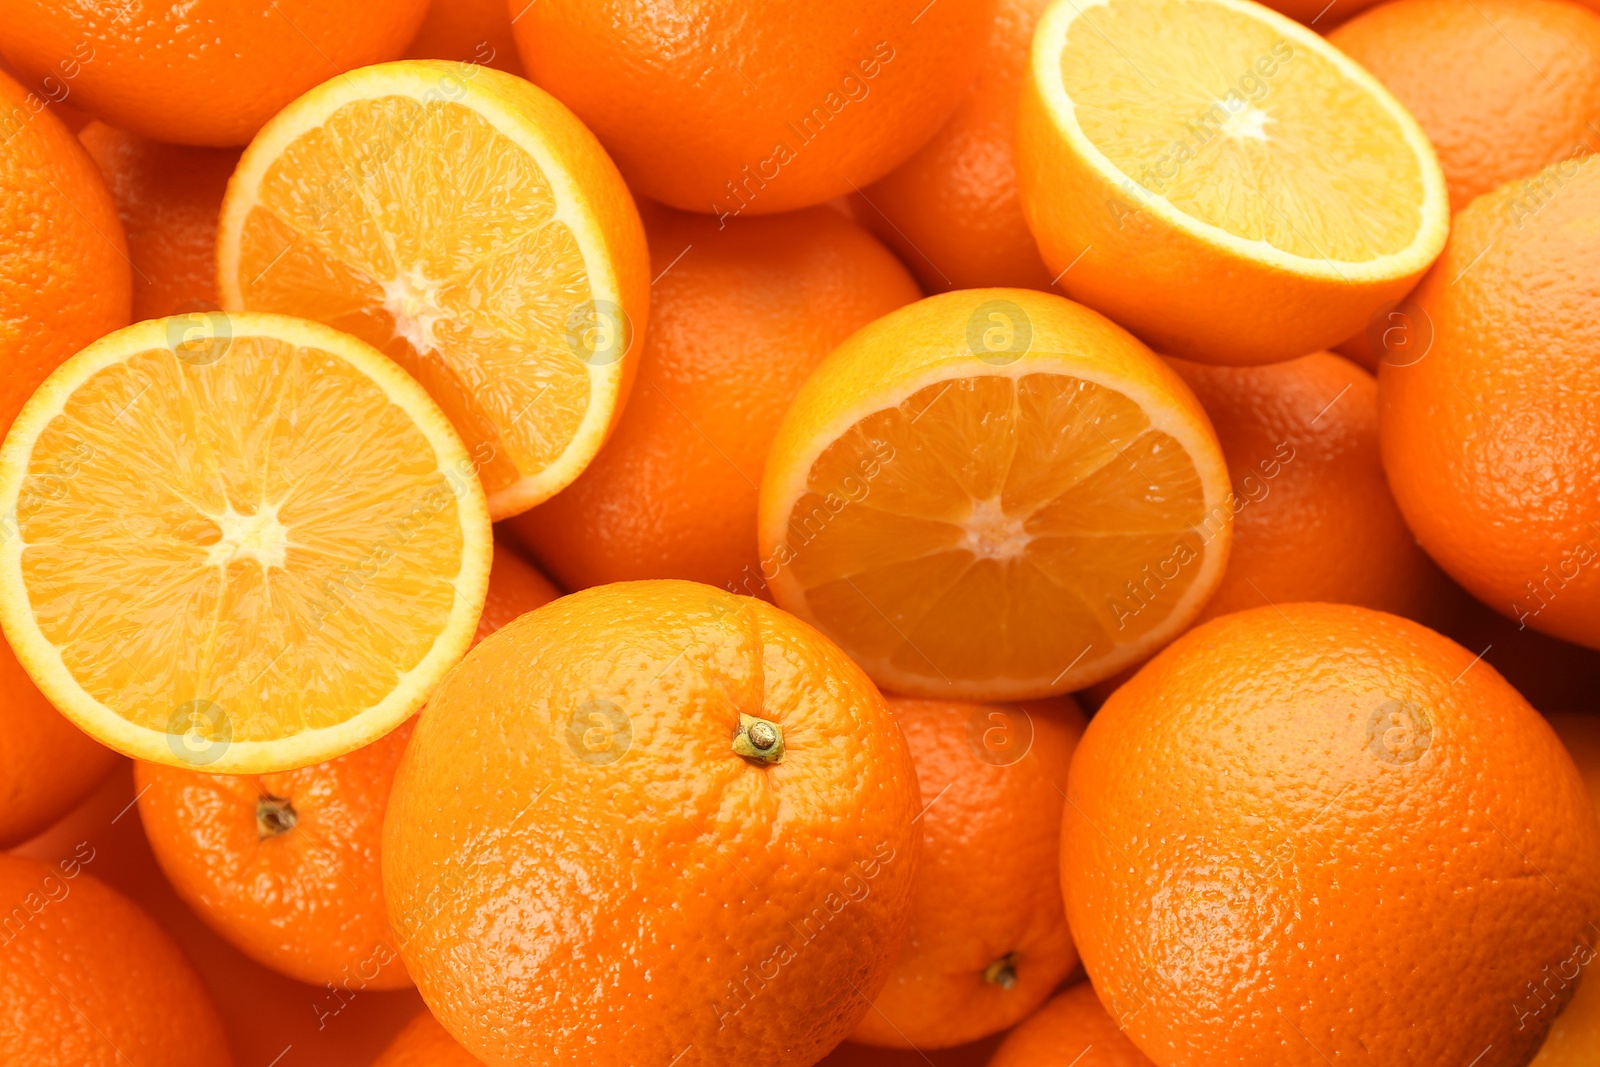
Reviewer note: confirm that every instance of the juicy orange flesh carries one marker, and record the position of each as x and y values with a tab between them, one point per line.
335	576
432	236
997	526
1241	128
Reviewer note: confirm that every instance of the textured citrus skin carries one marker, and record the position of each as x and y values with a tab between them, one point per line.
1492	439
1314	517
206	72
87	980
571	814
64	275
168	197
952	211
1219	303
1529	97
988	889
1576	1032
468	31
733	109
307	901
740	315
1314	832
47	765
1072	1029
424	1043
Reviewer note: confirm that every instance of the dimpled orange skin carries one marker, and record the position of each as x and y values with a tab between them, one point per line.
1071	1029
470	31
1492	440
1314	518
992	779
739	316
64	278
168	197
47	765
88	980
424	1043
1530	95
812	99
1315	832
306	901
580	765
206	72
952	211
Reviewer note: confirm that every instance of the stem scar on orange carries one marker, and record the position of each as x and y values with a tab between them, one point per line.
687	804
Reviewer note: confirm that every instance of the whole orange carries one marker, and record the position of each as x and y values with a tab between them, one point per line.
1313	515
64	276
988	940
286	866
737	109
424	1043
687	804
740	314
1072	1029
206	72
87	980
952	210
1315	832
1502	88
168	197
470	31
1491	437
47	765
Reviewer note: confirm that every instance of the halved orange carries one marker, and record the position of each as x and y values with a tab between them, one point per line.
995	494
239	543
1219	179
467	224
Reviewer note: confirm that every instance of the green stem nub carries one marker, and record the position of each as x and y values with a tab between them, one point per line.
274	816
1002	972
758	740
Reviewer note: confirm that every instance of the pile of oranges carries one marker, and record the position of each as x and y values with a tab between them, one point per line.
1044	533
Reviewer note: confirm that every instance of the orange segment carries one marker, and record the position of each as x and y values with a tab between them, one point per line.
1213	151
994	524
463	222
245	548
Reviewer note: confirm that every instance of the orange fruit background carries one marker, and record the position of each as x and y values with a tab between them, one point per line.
952	211
988	939
740	314
1071	1029
613	711
65	278
206	72
87	980
168	197
750	110
1291	798
1491	439
1502	88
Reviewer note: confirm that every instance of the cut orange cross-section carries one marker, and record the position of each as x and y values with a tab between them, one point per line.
238	543
1219	179
465	223
995	494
